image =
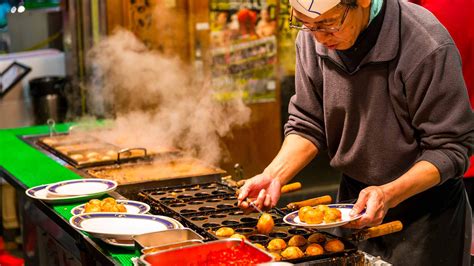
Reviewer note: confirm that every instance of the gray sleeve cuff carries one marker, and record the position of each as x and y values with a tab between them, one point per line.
442	161
319	144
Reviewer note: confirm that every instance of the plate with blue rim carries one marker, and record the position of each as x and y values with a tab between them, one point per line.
121	226
134	207
293	218
85	186
40	193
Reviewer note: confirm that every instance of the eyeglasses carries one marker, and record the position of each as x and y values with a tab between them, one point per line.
318	28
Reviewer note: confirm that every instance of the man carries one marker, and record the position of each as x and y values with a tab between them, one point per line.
455	15
379	86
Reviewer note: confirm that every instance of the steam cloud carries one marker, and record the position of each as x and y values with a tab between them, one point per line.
154	101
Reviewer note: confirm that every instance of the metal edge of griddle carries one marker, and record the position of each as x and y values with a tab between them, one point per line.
33	140
131	190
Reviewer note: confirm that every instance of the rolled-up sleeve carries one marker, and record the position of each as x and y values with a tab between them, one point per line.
441	114
305	108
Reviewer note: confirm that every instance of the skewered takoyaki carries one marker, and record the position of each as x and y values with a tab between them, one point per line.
265	224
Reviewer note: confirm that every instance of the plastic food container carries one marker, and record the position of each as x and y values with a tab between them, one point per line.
220	252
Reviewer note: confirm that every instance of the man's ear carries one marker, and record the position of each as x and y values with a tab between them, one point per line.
364	3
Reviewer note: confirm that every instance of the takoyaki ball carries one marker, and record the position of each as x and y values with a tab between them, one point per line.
91	208
239	236
317	238
92	154
292	253
314	216
276	256
265	224
107	207
94	202
332	215
77	157
106	158
314	249
322	208
225	232
121	208
334	245
302	211
297	241
276	244
260	246
114	208
109	200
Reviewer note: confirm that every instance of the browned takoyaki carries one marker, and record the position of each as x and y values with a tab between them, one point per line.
292	253
276	244
317	238
297	241
225	232
314	249
334	245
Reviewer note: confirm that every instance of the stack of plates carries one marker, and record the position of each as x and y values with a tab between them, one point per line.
72	190
118	229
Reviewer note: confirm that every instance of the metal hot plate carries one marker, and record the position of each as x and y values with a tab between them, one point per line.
83	150
209	206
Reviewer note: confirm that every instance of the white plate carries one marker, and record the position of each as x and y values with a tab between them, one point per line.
119	243
40	192
121	226
131	206
77	187
345	209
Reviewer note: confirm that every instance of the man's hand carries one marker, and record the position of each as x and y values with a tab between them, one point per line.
262	189
374	201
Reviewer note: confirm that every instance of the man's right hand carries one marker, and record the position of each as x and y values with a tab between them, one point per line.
263	190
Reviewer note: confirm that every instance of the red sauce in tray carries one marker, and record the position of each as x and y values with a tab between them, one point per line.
210	254
238	255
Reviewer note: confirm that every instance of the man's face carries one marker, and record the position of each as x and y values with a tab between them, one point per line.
355	21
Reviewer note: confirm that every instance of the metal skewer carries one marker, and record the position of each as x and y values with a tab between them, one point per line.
254	206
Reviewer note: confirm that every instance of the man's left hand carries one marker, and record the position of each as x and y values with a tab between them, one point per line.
373	200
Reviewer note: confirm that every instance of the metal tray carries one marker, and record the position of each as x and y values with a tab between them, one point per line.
166	237
199	254
160	169
207	221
